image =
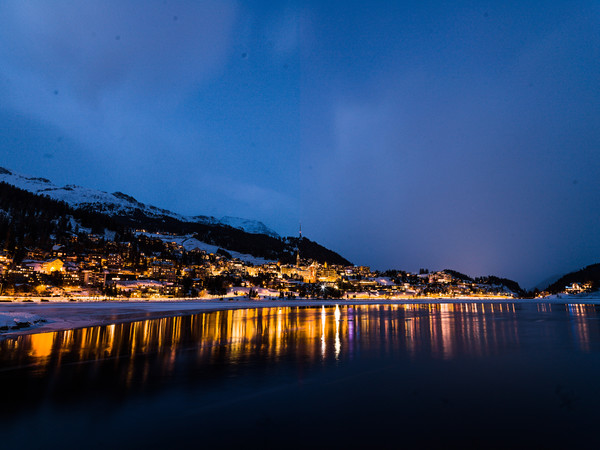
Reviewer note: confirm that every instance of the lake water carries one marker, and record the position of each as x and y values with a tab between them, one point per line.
388	376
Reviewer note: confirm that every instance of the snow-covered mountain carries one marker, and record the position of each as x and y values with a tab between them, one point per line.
249	226
119	204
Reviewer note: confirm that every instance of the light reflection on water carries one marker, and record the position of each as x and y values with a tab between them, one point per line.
440	330
220	351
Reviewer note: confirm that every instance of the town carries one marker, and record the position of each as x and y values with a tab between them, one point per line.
145	265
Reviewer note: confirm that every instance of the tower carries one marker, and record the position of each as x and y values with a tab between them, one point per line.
298	246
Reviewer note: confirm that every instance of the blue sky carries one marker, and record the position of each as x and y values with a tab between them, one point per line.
459	135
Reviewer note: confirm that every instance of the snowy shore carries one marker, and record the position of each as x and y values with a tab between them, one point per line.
10	321
62	314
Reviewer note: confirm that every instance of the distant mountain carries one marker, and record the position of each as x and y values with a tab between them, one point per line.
589	274
542	285
120	204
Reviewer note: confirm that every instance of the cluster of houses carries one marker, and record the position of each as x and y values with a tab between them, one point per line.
113	270
579	288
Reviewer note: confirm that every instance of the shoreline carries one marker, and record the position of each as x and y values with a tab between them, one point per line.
68	315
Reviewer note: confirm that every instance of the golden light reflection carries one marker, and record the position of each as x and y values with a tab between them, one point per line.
338	344
41	345
323	342
442	330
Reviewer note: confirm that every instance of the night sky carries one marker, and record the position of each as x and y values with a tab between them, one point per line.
460	135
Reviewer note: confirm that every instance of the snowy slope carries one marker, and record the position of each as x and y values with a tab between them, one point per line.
249	226
188	242
118	203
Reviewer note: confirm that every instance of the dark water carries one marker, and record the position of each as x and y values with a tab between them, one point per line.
392	376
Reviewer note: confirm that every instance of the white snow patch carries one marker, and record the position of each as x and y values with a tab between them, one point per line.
10	320
75	225
250	226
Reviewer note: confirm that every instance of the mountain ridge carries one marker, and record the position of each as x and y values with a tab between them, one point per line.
119	203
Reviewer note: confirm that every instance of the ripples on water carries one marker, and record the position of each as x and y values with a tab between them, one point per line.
473	372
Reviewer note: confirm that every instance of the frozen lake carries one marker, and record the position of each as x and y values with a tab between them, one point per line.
418	375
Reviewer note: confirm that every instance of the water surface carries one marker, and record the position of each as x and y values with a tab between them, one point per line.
475	375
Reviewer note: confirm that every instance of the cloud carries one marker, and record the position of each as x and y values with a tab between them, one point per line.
102	70
108	76
88	49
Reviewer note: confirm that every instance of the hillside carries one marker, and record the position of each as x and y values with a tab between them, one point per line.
589	274
511	285
30	220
